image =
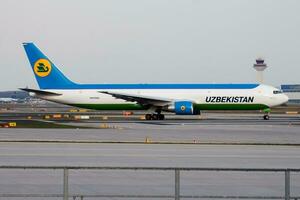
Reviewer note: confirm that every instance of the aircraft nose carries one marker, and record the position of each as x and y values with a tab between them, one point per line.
285	98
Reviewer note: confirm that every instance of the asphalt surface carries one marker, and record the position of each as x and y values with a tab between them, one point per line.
152	155
148	182
280	130
239	129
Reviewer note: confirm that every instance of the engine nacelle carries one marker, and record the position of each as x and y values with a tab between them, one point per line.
185	108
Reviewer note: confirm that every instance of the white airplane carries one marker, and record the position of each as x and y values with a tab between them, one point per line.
181	99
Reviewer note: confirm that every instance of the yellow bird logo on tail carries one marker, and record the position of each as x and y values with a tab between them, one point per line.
42	67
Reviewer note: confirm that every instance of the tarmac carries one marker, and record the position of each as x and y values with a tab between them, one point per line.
214	129
218	140
94	182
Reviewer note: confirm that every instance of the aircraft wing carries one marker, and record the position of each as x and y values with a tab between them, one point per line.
40	92
141	99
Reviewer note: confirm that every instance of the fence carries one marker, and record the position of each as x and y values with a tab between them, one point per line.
176	170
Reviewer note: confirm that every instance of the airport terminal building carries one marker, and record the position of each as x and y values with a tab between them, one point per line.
293	92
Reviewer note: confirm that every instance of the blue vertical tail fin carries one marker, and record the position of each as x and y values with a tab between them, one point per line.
46	73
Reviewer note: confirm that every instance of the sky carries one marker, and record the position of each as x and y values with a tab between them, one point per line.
152	41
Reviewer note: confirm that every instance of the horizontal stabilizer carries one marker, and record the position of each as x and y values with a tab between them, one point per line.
40	92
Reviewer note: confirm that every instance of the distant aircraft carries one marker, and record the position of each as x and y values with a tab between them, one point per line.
7	100
181	99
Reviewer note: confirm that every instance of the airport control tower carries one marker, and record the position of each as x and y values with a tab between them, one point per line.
260	66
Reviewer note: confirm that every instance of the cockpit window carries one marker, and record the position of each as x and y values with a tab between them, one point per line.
277	91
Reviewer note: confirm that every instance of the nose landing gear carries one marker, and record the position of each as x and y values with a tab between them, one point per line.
266	117
267	113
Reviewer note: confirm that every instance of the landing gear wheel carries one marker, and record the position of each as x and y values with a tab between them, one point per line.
148	116
161	117
155	116
266	117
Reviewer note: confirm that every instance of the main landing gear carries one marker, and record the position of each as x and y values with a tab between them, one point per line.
154	117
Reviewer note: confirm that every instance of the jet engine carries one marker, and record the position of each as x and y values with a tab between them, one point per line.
184	108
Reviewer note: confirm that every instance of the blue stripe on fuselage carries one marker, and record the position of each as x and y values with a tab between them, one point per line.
158	86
